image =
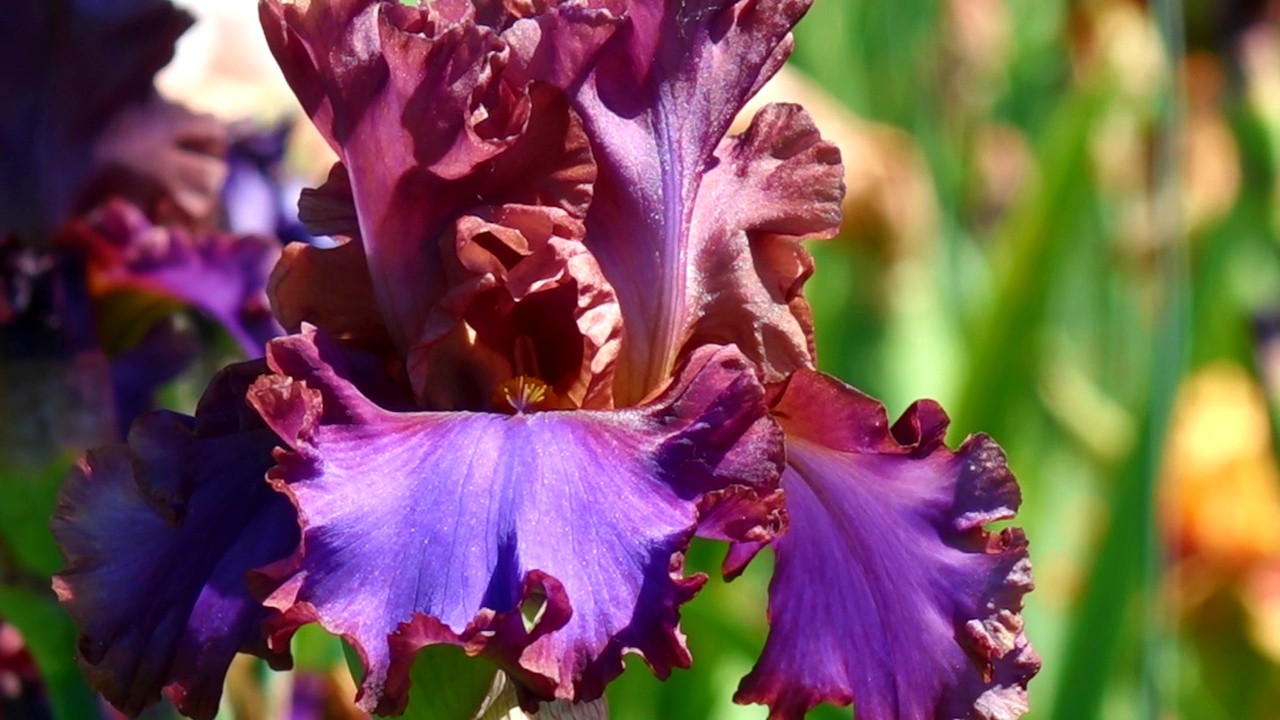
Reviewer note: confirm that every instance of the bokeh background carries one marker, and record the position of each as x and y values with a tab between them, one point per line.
1063	223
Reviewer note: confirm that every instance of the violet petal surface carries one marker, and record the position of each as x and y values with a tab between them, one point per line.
917	607
422	528
159	535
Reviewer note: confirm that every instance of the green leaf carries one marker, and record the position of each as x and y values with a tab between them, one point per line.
315	650
446	684
28	496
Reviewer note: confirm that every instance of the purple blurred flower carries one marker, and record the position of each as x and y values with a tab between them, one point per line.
84	134
258	196
561	333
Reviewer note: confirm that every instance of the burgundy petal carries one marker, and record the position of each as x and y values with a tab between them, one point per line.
329	288
515	273
223	275
435	114
159	535
535	304
422	528
657	105
888	591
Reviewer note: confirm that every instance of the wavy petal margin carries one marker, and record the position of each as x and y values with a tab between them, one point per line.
516	278
159	535
434	111
551	542
223	275
657	106
917	606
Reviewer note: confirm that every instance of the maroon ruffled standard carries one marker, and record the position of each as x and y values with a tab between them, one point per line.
697	233
447	111
423	528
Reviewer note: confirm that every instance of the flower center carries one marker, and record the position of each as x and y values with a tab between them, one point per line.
524	393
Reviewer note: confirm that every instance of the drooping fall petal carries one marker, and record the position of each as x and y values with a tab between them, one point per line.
657	106
223	275
422	528
159	535
919	606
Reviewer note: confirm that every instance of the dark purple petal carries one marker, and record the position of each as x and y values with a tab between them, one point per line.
137	374
422	528
159	535
657	106
888	591
437	112
223	275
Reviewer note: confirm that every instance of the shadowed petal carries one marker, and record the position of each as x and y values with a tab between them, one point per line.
424	528
223	275
329	288
919	605
657	105
535	304
159	535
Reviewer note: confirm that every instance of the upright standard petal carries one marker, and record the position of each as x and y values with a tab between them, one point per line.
888	592
433	111
521	295
657	105
422	528
159	535
223	275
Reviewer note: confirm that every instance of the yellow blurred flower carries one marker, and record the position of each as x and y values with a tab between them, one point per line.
1220	494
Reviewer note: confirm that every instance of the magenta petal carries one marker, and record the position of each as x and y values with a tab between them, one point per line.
423	528
223	275
159	535
919	606
657	106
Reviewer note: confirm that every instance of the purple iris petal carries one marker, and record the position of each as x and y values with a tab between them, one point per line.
657	106
919	605
223	275
159	535
435	111
422	528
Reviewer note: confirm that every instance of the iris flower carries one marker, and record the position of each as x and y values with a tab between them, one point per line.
562	334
